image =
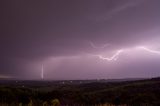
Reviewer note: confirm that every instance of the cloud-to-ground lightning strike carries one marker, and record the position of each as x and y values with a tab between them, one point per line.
42	72
117	54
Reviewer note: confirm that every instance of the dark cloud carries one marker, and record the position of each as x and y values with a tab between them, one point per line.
34	30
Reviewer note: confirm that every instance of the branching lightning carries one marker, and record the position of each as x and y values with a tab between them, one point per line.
114	57
98	47
117	54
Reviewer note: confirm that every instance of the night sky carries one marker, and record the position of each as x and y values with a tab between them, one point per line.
73	38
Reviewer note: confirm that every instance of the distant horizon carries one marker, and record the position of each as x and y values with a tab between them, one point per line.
20	79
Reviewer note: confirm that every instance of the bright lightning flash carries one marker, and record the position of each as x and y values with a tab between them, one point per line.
114	57
42	72
117	54
148	50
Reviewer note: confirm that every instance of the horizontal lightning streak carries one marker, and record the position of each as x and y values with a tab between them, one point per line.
149	50
117	54
114	57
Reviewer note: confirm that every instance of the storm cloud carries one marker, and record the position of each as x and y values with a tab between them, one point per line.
65	34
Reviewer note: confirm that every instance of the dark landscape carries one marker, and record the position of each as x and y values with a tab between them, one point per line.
144	92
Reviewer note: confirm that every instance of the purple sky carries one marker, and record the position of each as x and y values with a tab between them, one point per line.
69	36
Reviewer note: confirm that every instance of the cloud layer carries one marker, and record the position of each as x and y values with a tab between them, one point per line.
62	33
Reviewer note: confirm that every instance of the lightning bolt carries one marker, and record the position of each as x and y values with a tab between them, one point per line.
42	72
114	57
149	50
98	47
117	54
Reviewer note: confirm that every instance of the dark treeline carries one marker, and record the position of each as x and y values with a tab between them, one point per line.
133	93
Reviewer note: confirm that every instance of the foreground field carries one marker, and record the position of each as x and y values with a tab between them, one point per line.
73	93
